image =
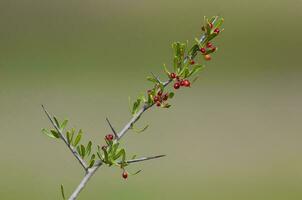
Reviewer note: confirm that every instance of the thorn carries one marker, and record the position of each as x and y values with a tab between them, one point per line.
114	132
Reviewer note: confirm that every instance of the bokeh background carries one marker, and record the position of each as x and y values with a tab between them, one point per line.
235	135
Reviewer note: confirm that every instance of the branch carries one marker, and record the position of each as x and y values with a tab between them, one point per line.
90	172
73	151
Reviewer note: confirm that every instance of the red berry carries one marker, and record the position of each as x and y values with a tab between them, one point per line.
173	75
176	85
125	175
202	50
182	83
187	83
207	57
109	137
158	104
214	49
156	98
211	25
192	62
209	45
159	93
216	30
166	96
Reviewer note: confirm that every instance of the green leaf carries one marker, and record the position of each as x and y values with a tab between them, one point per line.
63	124
140	130
194	80
171	95
49	134
55	133
136	106
195	69
62	192
166	70
91	163
218	22
120	153
186	72
79	150
57	122
83	151
78	138
152	79
88	148
114	149
99	155
68	135
193	51
166	105
105	156
161	86
179	52
133	157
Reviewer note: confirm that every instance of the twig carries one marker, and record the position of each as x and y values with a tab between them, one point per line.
73	151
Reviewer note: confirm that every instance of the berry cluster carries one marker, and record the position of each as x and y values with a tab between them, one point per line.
209	48
160	98
179	82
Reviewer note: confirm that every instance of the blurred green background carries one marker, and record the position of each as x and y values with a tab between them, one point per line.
235	135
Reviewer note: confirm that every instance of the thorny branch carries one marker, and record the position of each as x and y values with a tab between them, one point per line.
90	171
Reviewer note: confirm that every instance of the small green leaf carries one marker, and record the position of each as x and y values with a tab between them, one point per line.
68	135
152	79
99	155
55	133
79	150
114	148
57	122
194	80
78	138
136	106
91	163
166	70
166	105
161	86
171	95
105	155
88	148
83	151
64	123
49	134
121	153
218	22
140	130
133	157
62	192
195	69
